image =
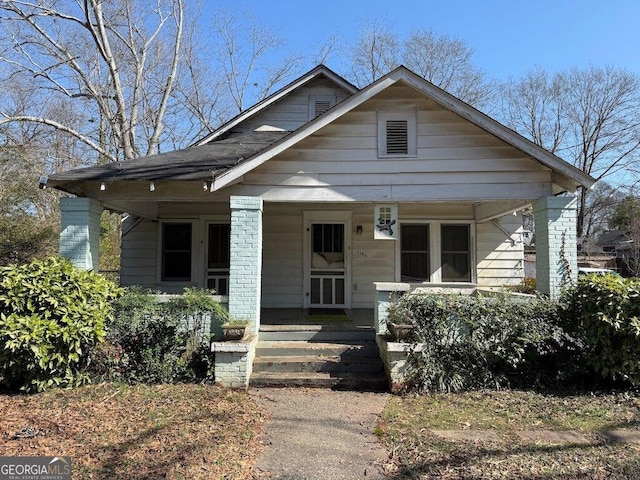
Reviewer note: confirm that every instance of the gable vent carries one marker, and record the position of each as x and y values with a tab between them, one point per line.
321	106
397	137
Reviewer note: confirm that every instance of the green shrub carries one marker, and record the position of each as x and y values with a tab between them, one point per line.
51	316
528	285
151	341
605	314
475	342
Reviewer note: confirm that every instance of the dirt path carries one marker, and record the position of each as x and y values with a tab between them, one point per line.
320	434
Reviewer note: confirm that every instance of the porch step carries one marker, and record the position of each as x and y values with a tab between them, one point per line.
312	356
318	364
339	381
302	348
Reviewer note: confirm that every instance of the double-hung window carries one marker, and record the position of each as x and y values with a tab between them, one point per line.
176	252
455	253
435	252
414	253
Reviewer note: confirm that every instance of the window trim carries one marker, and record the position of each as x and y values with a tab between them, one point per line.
435	252
412	141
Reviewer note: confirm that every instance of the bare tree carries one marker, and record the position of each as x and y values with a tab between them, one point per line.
444	61
377	52
248	75
447	62
533	106
119	59
590	117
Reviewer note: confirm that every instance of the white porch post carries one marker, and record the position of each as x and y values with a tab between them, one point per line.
556	251
245	273
80	231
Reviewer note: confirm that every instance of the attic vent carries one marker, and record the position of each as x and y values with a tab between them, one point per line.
397	137
321	106
318	104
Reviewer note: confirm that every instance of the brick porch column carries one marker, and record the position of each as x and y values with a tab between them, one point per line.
80	231
556	251
245	273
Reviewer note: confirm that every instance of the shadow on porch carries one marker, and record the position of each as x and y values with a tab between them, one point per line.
327	319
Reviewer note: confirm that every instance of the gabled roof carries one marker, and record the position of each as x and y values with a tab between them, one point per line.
318	71
224	157
566	174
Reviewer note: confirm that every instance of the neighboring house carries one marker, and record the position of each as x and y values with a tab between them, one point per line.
312	195
621	245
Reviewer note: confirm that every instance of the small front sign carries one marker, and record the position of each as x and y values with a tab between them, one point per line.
385	222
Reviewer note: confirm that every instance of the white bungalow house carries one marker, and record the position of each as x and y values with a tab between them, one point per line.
314	194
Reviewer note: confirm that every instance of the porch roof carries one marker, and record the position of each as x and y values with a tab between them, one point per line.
194	163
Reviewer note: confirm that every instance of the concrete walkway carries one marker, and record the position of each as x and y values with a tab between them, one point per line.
320	434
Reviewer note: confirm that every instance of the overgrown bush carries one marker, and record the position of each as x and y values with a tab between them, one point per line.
151	341
51	316
605	314
474	342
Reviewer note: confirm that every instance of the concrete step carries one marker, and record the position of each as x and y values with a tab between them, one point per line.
319	363
338	381
329	349
318	335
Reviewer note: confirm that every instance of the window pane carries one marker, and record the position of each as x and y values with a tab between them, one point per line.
456	254
315	290
455	238
327	291
414	253
328	237
177	236
415	238
219	246
339	291
176	252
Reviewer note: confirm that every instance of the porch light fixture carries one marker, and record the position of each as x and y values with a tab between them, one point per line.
205	185
152	186
103	187
359	230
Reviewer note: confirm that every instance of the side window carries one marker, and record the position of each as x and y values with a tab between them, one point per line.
456	253
397	134
176	252
414	253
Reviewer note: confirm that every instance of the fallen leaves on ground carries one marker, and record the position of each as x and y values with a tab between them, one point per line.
136	432
409	422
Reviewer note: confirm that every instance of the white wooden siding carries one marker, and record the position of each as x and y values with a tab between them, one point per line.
282	252
139	254
455	161
292	111
500	262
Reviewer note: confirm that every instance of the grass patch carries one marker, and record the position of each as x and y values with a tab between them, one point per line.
408	424
133	432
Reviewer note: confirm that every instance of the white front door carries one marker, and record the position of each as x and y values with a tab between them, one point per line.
327	260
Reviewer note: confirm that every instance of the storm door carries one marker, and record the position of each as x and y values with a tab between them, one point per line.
327	269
